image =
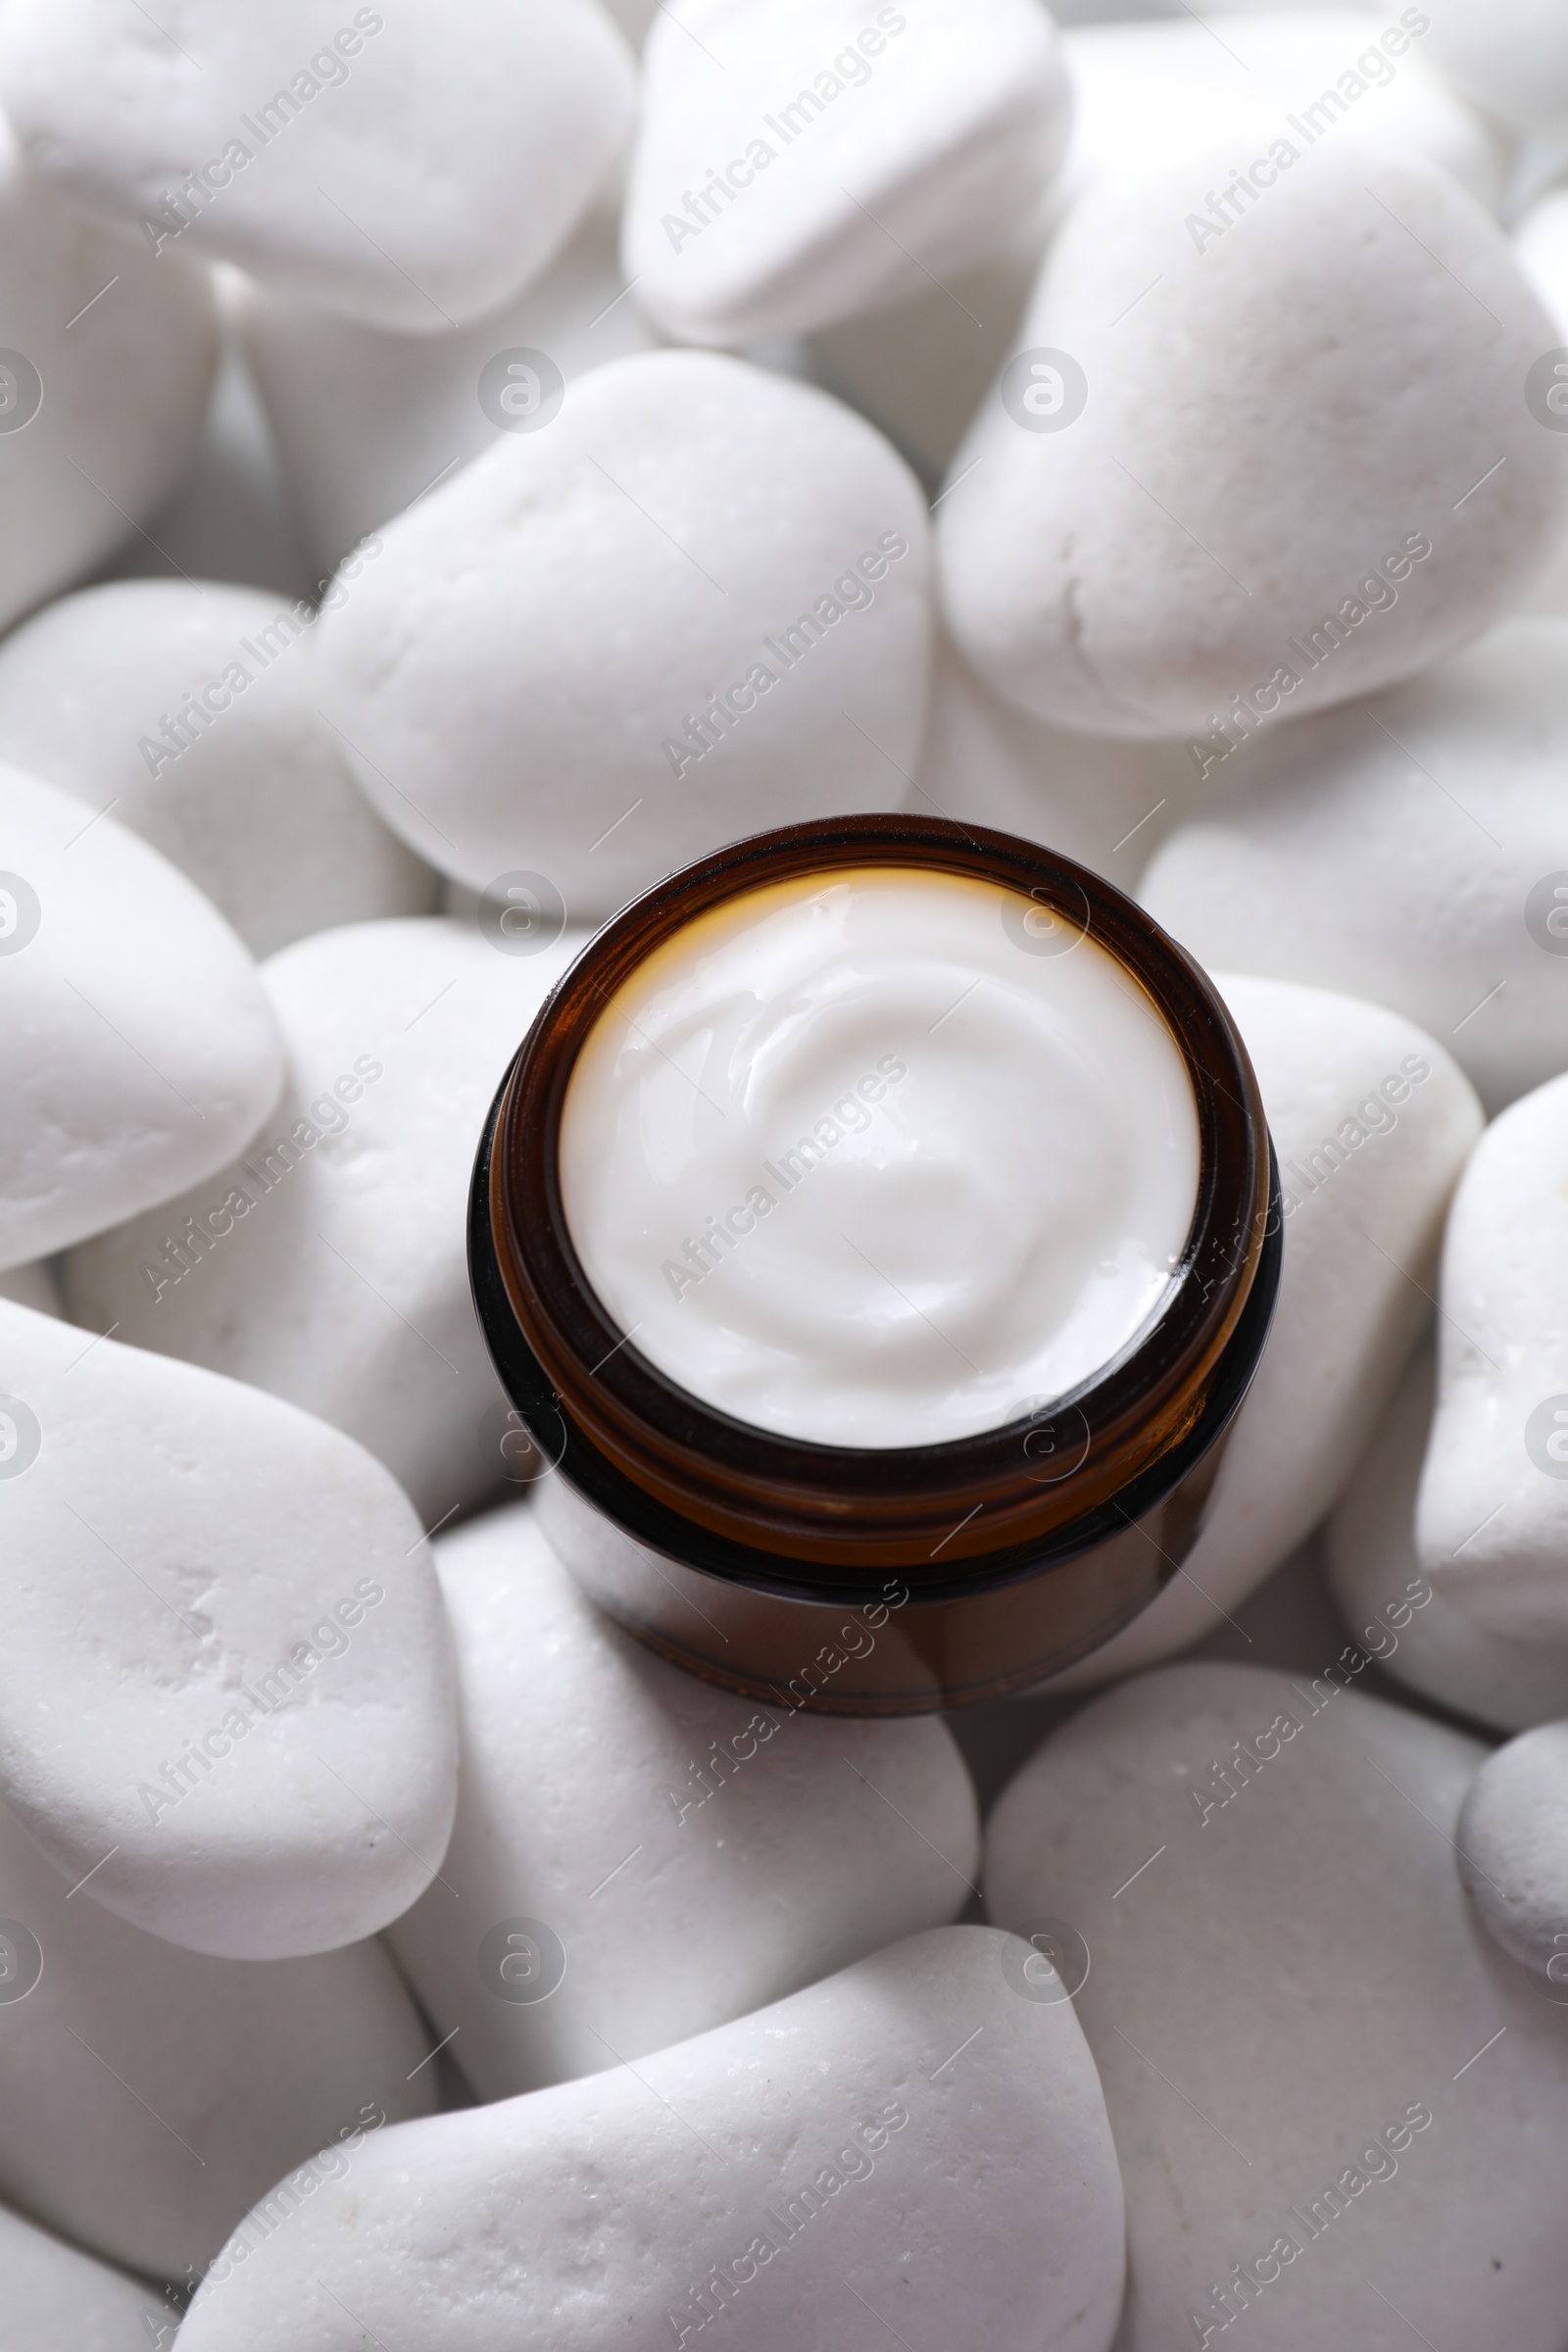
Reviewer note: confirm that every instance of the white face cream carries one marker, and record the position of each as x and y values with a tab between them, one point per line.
879	1158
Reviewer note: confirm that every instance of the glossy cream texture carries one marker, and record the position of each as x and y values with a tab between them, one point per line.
880	1157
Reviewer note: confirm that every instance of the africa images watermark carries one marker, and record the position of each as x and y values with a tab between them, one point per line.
1378	2160
856	1638
1246	1758
1375	1114
851	1115
329	2163
854	2161
851	68
327	69
200	1758
1046	390
205	703
850	592
266	1168
1373	69
1253	707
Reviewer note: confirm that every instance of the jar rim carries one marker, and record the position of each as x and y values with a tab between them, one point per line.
980	1504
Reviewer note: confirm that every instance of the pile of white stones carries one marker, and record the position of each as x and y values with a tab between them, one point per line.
453	465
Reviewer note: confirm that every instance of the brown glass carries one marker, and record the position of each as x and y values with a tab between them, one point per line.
994	1560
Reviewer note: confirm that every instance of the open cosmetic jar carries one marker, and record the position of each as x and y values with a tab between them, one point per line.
876	1233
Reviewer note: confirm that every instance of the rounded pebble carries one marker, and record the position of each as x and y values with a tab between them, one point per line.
833	2155
137	1048
529	676
263	1753
798	161
1492	1518
672	1839
1412	848
1319	2071
1114	538
1390	1605
373	164
191	712
1513	1850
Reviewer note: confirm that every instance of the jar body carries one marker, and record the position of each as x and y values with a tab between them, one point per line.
887	1652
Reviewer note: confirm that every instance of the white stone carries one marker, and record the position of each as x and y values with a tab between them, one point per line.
684	1888
1106	803
1180	530
949	2132
798	161
121	351
366	420
1510	56
520	669
150	2095
254	1753
1362	1225
411	169
343	1286
1292	1970
137	1048
1351	827
248	791
1541	240
1492	1518
1374	1569
1151	92
57	2300
1408	849
1513	1850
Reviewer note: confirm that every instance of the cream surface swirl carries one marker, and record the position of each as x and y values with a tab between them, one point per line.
879	1158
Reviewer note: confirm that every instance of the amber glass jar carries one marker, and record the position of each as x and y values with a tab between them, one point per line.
886	1580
